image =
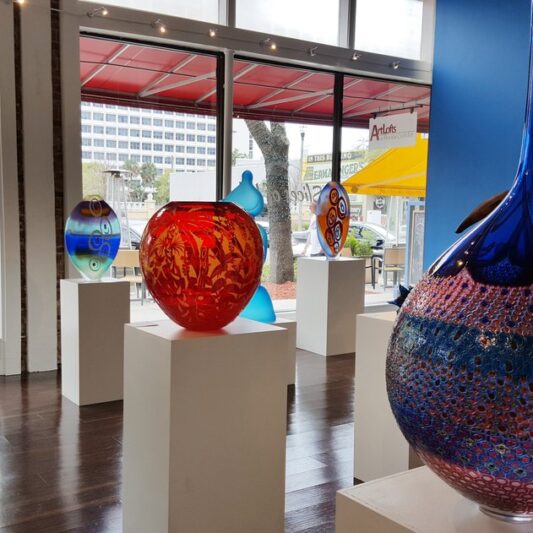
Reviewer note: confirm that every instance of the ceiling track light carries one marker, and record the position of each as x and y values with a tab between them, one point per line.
101	11
268	42
312	51
158	25
356	56
212	32
395	65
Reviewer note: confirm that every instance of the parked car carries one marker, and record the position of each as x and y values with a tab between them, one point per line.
377	235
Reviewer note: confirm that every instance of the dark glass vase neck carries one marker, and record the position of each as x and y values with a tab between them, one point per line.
525	167
499	251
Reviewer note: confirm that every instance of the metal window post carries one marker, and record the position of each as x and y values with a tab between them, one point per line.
337	127
226	13
227	124
347	23
221	114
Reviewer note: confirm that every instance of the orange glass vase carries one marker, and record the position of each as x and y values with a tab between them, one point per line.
333	218
201	262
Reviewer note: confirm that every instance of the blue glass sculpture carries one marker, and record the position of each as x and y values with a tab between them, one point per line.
264	237
92	237
460	358
247	196
260	307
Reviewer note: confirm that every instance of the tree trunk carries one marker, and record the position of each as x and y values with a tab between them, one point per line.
274	146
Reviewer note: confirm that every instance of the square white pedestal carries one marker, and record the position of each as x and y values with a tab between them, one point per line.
380	449
290	326
204	428
93	314
413	502
329	294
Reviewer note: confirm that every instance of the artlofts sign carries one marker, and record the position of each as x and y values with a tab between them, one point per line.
392	132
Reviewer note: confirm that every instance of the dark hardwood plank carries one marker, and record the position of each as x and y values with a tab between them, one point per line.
61	466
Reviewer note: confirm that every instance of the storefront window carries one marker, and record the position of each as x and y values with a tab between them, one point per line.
311	20
283	133
391	27
386	186
131	85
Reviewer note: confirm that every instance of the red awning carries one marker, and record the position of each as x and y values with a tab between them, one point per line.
118	72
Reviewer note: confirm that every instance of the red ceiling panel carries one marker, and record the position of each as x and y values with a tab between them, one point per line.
134	74
190	92
246	95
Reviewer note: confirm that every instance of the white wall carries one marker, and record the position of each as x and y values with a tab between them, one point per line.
39	187
9	205
71	101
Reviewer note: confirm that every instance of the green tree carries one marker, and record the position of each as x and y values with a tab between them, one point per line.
274	145
93	178
136	192
162	188
132	167
148	174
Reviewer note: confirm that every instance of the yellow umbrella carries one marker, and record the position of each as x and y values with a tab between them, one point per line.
398	172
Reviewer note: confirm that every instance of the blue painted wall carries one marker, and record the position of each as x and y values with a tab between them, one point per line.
477	110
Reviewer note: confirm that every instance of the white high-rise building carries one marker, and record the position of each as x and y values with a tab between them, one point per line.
178	141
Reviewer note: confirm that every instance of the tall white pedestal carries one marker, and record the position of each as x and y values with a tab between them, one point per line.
93	314
413	502
329	294
204	428
290	326
380	449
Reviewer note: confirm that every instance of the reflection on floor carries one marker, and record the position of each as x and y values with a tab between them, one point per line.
60	466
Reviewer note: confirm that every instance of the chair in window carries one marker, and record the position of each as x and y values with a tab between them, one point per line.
128	261
393	261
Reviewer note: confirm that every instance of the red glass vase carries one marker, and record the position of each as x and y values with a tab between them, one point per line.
201	262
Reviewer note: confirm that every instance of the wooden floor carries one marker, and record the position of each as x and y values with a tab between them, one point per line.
60	466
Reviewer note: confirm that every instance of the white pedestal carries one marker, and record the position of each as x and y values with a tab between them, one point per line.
204	428
413	502
329	294
380	449
290	326
93	314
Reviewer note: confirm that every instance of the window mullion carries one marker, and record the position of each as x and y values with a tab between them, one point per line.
346	23
226	12
337	126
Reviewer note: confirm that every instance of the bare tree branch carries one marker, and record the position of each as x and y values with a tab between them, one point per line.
274	145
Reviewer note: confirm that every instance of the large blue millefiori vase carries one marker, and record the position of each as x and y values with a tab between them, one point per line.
460	359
